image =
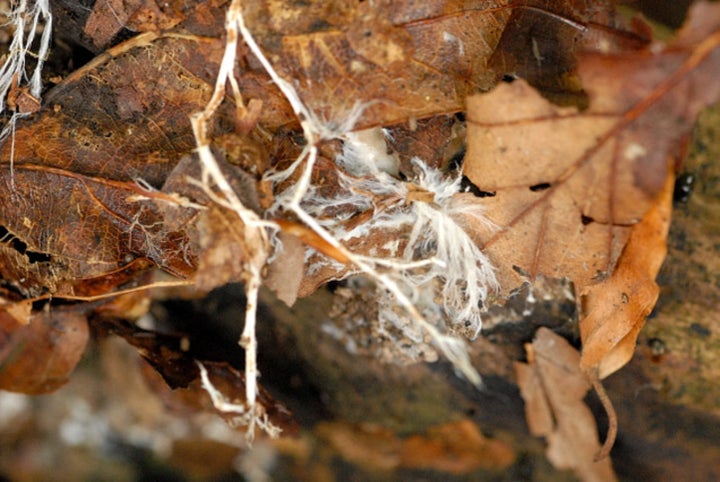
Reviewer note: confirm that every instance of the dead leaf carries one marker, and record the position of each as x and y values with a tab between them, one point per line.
109	17
39	357
615	309
540	44
567	186
455	448
367	445
398	59
553	387
83	228
173	358
82	204
286	270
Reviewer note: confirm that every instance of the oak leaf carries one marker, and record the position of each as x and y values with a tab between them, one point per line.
615	309
553	387
566	186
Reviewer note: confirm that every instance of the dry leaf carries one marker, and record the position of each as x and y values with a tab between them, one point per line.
367	445
456	448
566	186
172	356
553	387
109	17
286	270
615	309
81	202
39	357
399	59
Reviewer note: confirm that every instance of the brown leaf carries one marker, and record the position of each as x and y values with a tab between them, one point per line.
566	186
541	41
110	136
217	236
40	356
553	387
368	445
399	59
83	228
81	202
615	309
172	356
456	448
285	272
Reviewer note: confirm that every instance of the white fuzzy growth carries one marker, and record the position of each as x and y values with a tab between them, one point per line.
388	274
368	144
26	18
436	238
256	236
467	273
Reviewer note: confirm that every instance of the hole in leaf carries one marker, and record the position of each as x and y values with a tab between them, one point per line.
540	187
36	257
586	220
457	159
466	185
10	240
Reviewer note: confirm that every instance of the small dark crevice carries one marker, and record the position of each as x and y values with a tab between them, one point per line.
683	188
586	220
456	161
540	187
466	185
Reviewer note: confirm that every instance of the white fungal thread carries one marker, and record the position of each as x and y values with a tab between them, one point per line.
28	18
242	413
466	271
256	236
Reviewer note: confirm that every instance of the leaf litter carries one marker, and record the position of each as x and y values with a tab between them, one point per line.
564	208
